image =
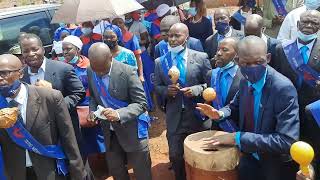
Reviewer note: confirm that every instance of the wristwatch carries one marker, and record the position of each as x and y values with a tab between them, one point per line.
221	115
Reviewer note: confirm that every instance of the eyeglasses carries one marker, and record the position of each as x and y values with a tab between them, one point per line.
6	74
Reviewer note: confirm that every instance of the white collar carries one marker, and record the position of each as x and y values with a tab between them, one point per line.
310	45
22	95
42	68
229	33
264	38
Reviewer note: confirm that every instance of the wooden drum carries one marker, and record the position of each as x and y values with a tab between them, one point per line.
220	163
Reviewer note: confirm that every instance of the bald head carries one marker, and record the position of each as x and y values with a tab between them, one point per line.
231	41
100	58
226	52
168	21
252	50
180	27
9	62
254	25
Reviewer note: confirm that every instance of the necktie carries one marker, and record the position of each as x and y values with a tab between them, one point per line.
223	86
303	51
181	67
249	113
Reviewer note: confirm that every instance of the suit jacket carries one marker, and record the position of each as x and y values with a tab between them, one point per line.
197	67
272	44
63	78
192	43
124	85
278	120
309	129
48	121
211	44
234	88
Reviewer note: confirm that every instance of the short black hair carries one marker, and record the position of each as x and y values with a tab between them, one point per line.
31	36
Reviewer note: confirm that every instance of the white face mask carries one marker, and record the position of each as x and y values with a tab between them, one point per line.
177	49
312	4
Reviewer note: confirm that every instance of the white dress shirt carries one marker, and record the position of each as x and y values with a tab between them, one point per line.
264	38
289	29
34	77
22	99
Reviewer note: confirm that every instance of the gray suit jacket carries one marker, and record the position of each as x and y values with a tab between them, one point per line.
48	121
63	78
197	67
211	44
124	85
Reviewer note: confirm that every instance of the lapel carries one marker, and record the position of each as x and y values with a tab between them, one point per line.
49	74
314	56
26	77
190	62
265	95
243	90
234	86
33	106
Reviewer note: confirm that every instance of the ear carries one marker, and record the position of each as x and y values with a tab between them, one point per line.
236	59
268	57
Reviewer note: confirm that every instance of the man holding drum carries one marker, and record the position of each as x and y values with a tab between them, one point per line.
267	112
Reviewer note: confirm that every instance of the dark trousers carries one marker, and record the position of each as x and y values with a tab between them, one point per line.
176	152
117	159
252	169
31	175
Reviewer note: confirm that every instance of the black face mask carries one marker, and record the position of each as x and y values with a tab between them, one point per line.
112	44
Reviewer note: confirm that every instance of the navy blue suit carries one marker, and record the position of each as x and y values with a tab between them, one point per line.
192	43
277	128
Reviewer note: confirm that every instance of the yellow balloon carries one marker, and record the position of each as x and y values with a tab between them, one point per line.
303	154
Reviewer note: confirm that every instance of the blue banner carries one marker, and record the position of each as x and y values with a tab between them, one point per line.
20	136
280	7
315	111
143	119
238	16
304	71
148	72
227	124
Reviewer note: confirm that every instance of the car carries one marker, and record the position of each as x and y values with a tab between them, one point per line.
31	19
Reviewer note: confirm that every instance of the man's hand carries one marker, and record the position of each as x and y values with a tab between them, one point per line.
141	78
187	91
209	111
226	140
300	176
277	20
173	90
110	114
43	83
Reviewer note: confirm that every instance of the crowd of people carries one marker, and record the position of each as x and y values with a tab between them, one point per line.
94	94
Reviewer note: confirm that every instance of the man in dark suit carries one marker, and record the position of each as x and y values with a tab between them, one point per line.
111	81
225	79
305	52
45	116
221	21
162	47
267	111
254	27
41	71
180	99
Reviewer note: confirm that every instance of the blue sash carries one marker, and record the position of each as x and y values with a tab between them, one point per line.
315	111
166	64
20	136
227	124
304	71
163	48
148	72
238	16
280	7
143	119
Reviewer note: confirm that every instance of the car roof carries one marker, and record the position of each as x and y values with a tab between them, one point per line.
14	11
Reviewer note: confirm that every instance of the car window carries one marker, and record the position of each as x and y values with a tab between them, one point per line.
37	23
